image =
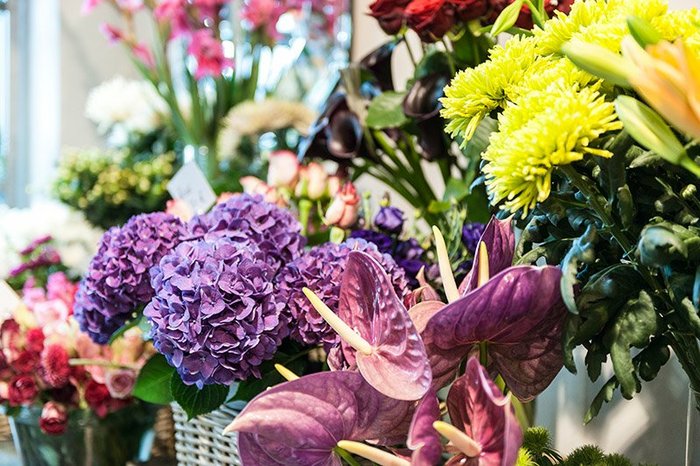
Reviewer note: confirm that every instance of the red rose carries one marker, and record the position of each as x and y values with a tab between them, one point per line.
54	362
25	362
468	10
525	19
431	19
97	397
35	340
54	418
22	390
389	14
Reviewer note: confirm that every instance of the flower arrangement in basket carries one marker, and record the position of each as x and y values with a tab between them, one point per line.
56	382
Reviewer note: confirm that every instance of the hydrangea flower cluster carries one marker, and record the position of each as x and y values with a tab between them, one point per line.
216	316
117	281
320	269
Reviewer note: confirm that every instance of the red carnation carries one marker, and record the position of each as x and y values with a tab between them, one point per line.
54	362
26	362
54	418
98	398
468	10
431	19
22	390
389	14
35	340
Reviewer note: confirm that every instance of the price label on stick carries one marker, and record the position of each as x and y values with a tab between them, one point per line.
191	186
9	300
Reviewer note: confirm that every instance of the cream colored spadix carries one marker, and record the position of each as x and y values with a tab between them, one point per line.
286	373
380	457
448	278
483	272
342	329
459	439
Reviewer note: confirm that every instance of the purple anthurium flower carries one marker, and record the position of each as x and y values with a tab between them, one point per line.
484	429
499	240
299	423
423	439
378	335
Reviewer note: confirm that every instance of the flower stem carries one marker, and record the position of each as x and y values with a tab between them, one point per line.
346	456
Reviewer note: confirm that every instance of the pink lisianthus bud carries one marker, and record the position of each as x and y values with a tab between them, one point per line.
55	367
334	185
312	181
209	53
344	208
120	383
54	418
284	169
88	6
253	185
180	209
113	34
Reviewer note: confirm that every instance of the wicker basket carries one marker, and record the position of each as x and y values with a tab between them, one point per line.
199	442
5	432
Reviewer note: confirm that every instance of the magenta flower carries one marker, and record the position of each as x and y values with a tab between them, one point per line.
173	12
262	15
142	53
113	34
88	6
209	53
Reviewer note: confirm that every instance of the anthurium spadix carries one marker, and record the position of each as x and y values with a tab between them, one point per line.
484	430
378	336
498	240
299	423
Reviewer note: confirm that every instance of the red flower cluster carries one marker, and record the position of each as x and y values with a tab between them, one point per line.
432	19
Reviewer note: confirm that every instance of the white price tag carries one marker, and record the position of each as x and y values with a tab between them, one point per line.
191	186
9	301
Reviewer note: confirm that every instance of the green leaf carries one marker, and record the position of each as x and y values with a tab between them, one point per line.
153	382
595	357
625	206
659	245
690	314
604	395
249	389
650	361
582	251
455	190
480	140
386	111
634	326
478	205
439	207
435	61
194	401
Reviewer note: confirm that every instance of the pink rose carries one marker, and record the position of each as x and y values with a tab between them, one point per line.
120	383
284	169
312	181
53	316
209	53
253	185
179	209
22	390
344	208
54	418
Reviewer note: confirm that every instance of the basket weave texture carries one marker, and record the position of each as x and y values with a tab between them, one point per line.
198	442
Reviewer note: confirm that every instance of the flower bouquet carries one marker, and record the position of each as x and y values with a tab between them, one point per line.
69	400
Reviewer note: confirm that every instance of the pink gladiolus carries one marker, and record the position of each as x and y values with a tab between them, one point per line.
130	6
173	12
209	53
262	14
142	53
344	208
88	6
284	169
113	34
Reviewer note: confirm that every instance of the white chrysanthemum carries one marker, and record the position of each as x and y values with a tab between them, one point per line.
251	118
74	238
132	106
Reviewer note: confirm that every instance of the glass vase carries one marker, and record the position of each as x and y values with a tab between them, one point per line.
123	436
692	433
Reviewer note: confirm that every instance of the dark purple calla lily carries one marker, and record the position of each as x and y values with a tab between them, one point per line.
299	423
478	408
499	240
519	313
422	104
378	63
395	363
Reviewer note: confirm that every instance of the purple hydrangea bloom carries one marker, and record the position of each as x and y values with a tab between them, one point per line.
320	269
117	280
389	219
471	232
248	218
216	315
383	241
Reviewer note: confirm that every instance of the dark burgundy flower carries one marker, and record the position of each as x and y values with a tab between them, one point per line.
525	19
468	10
389	219
422	103
26	362
430	19
389	14
35	340
378	63
54	362
22	390
97	397
54	418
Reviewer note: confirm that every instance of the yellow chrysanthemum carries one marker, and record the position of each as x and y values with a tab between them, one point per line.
543	130
547	70
475	92
678	24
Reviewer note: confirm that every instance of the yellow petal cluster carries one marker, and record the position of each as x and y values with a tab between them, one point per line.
543	130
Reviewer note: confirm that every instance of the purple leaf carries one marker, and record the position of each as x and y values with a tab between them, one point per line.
398	364
299	423
499	240
477	407
423	439
519	313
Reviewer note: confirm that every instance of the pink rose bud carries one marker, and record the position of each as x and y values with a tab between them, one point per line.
284	169
316	178
223	197
253	185
344	208
54	418
120	383
334	185
180	209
